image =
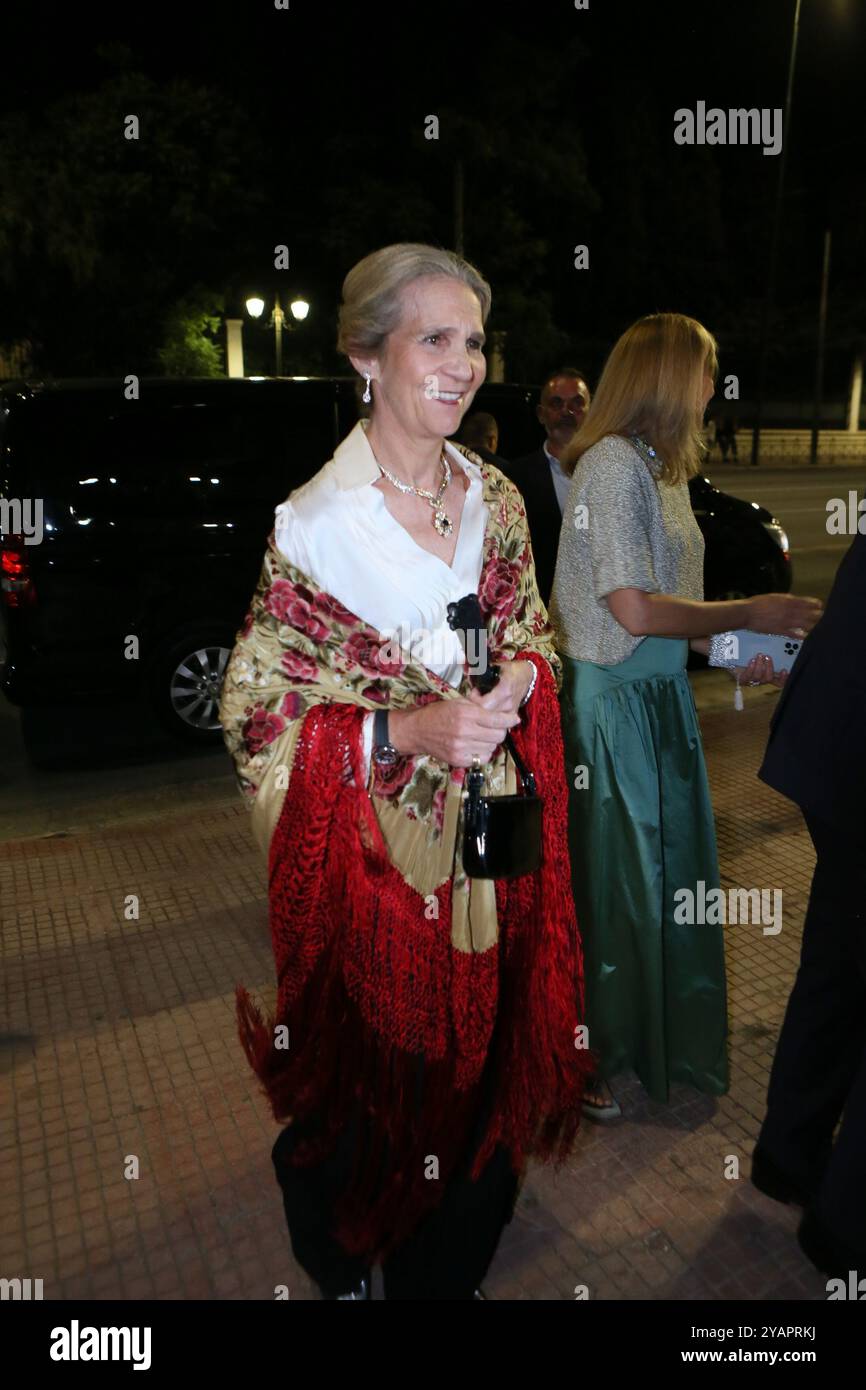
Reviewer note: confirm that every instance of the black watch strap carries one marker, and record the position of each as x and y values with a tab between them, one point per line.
380	728
384	752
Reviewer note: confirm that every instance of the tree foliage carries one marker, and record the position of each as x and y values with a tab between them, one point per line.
101	234
191	344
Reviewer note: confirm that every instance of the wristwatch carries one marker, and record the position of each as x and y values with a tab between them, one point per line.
384	752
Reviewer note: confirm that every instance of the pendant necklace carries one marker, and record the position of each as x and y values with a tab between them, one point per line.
441	520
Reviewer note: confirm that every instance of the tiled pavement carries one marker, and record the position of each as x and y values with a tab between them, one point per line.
120	1045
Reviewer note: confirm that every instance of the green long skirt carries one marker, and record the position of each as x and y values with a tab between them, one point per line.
641	827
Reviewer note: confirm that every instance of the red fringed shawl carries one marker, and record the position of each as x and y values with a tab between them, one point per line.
368	985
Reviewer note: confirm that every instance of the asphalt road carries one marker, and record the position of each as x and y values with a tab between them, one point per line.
115	764
798	498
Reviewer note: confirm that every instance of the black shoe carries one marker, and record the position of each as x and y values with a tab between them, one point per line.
827	1254
768	1178
362	1291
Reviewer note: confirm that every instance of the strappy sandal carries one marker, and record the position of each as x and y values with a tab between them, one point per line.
600	1103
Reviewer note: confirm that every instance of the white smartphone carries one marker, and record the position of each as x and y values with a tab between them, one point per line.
730	649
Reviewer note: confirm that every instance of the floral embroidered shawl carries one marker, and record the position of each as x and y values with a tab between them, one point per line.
392	966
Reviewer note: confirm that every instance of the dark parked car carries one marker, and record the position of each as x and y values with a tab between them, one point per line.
746	548
155	514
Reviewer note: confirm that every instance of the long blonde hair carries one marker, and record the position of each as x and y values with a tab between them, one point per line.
651	385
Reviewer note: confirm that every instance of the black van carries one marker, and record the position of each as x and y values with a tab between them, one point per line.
154	515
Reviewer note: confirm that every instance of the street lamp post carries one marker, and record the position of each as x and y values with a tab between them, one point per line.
774	245
278	319
819	360
299	308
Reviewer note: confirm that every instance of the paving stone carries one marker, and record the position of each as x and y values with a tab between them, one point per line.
123	1043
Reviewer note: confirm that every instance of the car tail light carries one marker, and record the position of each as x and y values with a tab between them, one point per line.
16	583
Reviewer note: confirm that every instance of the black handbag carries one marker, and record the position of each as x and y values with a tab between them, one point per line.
501	834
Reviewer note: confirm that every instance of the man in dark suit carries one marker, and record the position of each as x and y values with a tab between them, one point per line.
814	756
561	410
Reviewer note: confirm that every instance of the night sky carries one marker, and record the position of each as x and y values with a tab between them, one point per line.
563	120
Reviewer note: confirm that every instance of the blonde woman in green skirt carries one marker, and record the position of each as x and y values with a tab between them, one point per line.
627	602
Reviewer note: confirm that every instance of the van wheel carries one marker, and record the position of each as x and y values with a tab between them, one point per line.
37	723
186	682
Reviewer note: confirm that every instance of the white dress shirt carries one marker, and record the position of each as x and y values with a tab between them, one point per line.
561	481
338	531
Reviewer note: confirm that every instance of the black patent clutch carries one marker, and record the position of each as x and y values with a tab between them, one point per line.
501	834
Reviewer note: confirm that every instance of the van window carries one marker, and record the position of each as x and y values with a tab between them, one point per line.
172	458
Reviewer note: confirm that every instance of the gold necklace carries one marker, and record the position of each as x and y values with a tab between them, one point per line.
441	520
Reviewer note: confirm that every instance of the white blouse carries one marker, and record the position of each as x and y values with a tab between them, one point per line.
337	529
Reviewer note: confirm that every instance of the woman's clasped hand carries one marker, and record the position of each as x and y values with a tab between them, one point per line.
458	731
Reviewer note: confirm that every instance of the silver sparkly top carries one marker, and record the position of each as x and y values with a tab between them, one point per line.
621	529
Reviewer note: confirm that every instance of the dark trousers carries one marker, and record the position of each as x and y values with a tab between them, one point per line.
726	443
448	1254
819	1071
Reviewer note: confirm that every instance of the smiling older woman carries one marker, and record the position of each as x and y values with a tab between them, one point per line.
425	1039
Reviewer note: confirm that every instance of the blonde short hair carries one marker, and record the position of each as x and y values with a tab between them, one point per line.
651	385
372	291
